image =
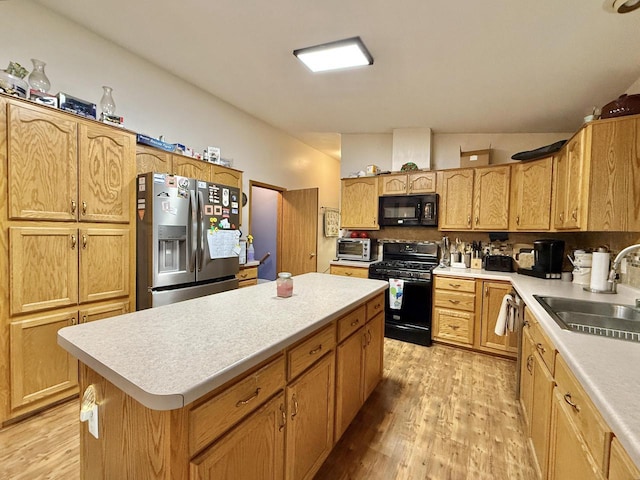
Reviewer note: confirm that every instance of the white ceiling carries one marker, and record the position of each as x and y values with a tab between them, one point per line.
465	66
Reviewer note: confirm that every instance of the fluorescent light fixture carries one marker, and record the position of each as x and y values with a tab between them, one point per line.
347	53
621	6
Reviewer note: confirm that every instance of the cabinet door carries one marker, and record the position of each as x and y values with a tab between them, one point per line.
574	187
152	160
349	368
493	293
310	428
532	199
393	184
568	455
104	263
373	354
253	449
541	412
39	367
43	163
192	168
621	467
43	265
227	176
106	173
359	203
422	182
559	193
527	370
491	198
456	199
99	312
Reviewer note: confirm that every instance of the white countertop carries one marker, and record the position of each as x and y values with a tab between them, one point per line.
607	368
167	357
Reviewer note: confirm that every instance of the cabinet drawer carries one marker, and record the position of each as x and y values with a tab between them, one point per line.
454	325
592	427
351	322
455	284
350	271
543	346
455	300
212	418
247	283
310	350
247	273
375	306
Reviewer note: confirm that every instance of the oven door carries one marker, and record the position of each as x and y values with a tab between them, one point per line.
412	321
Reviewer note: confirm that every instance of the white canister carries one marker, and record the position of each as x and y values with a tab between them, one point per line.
582	276
582	259
600	271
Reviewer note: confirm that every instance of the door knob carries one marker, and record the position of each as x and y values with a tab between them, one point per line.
311	255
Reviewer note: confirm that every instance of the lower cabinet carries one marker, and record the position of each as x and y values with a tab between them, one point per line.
255	449
247	276
358	371
492	295
349	271
621	467
310	407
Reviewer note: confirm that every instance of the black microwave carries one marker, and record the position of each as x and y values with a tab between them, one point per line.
408	210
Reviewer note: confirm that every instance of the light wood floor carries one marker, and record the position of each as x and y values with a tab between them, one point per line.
440	413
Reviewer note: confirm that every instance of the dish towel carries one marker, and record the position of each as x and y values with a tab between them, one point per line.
501	322
395	293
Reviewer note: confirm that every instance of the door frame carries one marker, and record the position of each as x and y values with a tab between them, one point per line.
253	183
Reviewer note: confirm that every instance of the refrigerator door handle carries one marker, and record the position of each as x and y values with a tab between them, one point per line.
202	231
193	232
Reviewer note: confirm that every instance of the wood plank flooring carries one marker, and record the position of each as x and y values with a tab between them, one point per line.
439	413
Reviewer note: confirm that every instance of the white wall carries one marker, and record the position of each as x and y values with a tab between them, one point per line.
633	89
155	102
360	150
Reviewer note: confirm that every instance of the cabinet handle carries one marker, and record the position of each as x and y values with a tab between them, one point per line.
241	403
455	285
355	322
518	220
454	327
370	337
74	321
469	220
84	319
486	291
295	406
315	350
561	216
525	323
530	363
73	206
84	207
283	419
540	348
73	242
574	214
348	274
455	302
477	220
567	398
377	306
84	241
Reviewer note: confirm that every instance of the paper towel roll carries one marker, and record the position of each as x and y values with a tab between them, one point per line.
600	271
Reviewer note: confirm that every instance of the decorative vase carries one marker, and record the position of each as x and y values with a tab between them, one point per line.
107	104
37	78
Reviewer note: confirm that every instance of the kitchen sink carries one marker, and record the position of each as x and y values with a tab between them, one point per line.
595	318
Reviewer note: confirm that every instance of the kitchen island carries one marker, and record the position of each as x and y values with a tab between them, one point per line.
186	390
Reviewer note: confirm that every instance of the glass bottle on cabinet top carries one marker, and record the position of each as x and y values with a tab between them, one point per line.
37	78
107	104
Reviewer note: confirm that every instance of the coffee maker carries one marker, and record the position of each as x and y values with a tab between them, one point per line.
548	256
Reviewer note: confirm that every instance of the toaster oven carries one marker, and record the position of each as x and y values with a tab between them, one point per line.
359	249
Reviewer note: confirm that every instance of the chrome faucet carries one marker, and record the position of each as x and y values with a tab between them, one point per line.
613	273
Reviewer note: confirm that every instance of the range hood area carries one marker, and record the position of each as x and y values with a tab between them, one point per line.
411	145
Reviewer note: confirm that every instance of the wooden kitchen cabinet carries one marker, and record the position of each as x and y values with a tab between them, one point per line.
254	449
40	369
491	198
408	183
454	310
621	467
101	311
192	168
66	169
247	276
492	295
227	176
526	379
456	199
571	182
373	354
359	203
152	160
310	406
349	271
530	208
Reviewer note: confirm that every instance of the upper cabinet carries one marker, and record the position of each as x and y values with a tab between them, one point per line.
531	195
359	203
475	198
61	168
596	186
408	183
152	160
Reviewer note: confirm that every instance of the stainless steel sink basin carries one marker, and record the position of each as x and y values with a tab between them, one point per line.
595	318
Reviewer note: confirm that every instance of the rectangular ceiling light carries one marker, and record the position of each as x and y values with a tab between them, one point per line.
347	53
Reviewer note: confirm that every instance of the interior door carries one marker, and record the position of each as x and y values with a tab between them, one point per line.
298	249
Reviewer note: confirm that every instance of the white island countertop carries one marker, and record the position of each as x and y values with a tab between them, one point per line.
168	357
608	369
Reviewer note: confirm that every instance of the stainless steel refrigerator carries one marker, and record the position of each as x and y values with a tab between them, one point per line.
187	239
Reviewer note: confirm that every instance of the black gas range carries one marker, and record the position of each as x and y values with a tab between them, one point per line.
407	267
